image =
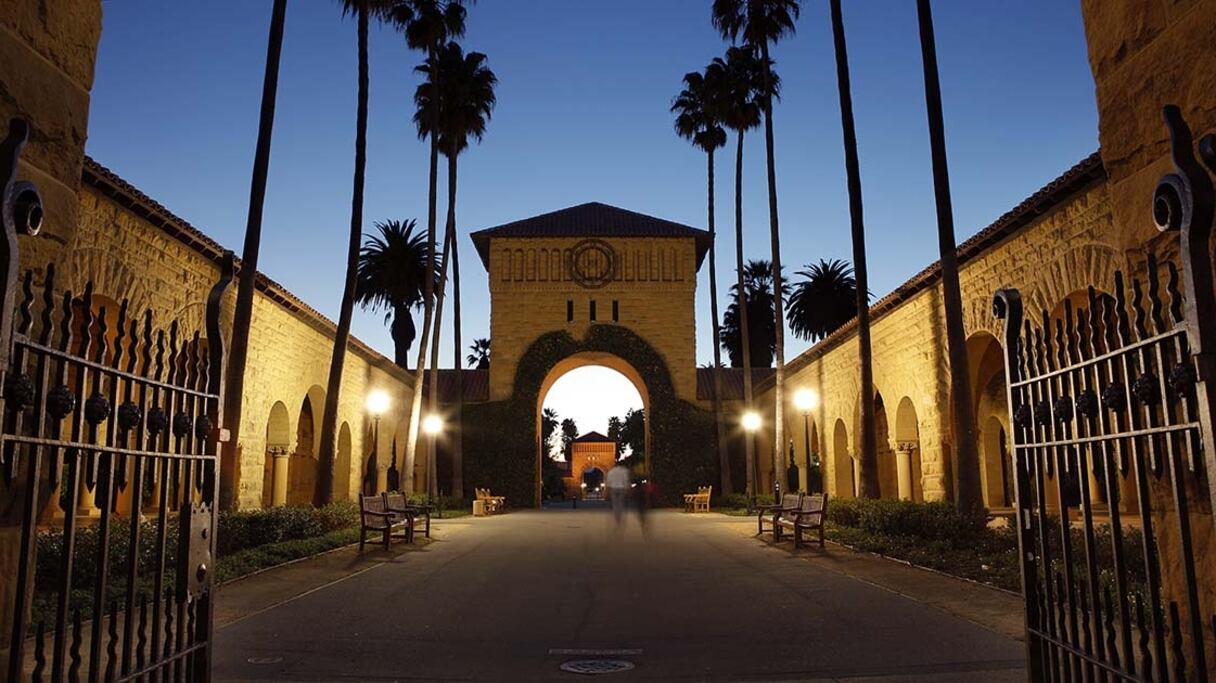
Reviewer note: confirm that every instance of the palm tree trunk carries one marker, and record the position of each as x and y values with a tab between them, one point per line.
433	396
778	286
411	441
243	316
970	498
869	450
719	419
749	444
458	409
325	452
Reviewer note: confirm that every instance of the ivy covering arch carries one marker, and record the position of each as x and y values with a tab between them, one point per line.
500	436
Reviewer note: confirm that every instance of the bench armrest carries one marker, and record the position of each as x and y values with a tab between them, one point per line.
377	514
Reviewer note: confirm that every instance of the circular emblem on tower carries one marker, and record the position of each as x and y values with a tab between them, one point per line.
592	263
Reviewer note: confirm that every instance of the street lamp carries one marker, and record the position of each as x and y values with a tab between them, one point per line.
807	400
378	402
751	424
432	425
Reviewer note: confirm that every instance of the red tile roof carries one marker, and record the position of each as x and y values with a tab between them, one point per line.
592	219
593	437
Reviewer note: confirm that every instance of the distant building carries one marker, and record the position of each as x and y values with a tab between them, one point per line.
591	456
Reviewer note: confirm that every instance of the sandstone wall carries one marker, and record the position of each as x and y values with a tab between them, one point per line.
531	290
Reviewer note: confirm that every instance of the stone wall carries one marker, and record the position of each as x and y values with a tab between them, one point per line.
1049	257
531	294
134	249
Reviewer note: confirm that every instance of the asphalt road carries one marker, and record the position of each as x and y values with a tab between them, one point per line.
514	597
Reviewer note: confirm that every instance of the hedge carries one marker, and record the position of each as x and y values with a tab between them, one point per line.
500	437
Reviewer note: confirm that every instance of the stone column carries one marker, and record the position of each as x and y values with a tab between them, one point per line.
904	452
278	492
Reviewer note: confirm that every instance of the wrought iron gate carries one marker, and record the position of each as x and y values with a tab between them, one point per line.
1111	411
104	405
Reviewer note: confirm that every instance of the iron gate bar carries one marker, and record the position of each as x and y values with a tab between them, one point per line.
132	421
1096	392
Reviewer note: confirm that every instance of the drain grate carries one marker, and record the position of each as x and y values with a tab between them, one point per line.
593	667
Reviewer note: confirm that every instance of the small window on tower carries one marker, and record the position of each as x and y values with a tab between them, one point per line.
569	310
593	310
616	311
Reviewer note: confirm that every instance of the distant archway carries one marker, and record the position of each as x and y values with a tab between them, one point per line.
844	478
275	457
907	451
986	364
998	470
888	476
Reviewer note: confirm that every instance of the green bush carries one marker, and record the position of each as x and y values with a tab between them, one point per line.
905	518
733	501
246	529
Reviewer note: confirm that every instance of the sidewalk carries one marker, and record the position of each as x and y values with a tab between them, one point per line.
995	609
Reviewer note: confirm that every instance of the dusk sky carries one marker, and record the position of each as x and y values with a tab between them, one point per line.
582	116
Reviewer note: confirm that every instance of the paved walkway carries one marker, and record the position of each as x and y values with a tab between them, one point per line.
511	597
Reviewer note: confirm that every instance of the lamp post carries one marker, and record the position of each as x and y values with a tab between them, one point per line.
807	400
378	402
751	424
432	425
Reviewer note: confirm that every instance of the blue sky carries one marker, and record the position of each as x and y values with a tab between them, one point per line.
583	115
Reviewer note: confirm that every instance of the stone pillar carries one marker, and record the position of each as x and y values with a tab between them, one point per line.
47	53
904	452
278	491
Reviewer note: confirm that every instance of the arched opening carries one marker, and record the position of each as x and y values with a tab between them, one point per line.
592	410
987	372
342	465
275	457
998	469
302	471
888	475
907	451
844	470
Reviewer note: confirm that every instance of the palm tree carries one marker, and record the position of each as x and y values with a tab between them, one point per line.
759	23
738	75
824	299
428	26
696	110
479	356
460	87
243	315
392	276
970	497
364	11
760	328
868	457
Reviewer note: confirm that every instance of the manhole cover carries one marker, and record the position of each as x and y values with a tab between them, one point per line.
596	666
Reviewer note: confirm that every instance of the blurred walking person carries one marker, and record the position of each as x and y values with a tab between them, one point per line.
618	483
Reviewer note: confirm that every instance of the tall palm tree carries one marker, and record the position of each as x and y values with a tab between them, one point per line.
243	316
479	354
740	79
824	299
758	293
458	93
696	110
392	276
759	23
970	496
364	11
868	457
428	26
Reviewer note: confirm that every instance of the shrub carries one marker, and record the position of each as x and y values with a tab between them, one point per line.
905	518
733	501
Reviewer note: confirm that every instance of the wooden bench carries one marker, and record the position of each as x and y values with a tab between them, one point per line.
492	503
809	516
374	517
396	503
699	501
789	503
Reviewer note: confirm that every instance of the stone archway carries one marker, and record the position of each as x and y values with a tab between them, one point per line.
342	464
275	463
302	471
844	475
680	449
907	451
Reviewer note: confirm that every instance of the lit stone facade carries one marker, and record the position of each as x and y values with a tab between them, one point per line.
532	291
